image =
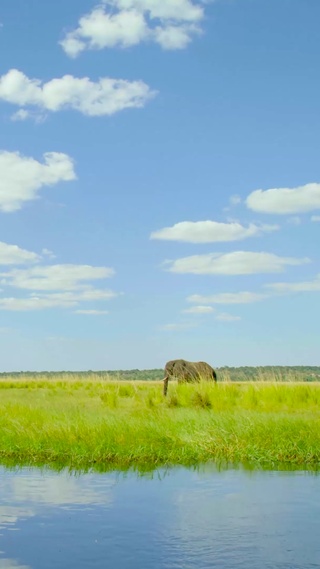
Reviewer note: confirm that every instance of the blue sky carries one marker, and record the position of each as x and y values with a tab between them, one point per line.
160	185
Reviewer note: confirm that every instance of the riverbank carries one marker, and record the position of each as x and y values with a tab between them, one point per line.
83	424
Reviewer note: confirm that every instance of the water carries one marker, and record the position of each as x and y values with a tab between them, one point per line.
180	519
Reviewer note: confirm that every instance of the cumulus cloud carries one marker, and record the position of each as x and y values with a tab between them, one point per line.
14	255
303	286
285	200
104	97
235	263
125	23
209	231
225	317
200	309
243	297
55	277
22	177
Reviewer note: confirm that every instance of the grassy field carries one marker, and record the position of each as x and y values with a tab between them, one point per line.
86	424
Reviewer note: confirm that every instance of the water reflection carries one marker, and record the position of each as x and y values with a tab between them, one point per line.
173	519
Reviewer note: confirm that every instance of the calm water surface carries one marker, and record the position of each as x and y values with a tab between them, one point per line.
178	519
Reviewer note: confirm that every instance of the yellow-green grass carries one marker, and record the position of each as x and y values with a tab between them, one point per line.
99	424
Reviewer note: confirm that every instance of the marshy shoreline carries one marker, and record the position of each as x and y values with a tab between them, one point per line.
103	425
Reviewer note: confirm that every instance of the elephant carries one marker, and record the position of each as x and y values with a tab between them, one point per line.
187	372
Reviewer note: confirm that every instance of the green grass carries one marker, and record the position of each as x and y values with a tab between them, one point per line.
96	424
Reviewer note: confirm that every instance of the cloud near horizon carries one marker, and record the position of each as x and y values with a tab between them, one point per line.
210	231
126	23
22	177
283	201
107	96
235	263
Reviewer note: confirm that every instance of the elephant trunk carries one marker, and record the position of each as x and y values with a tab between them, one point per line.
165	385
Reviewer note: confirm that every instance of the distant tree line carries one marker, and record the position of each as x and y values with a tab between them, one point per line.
226	373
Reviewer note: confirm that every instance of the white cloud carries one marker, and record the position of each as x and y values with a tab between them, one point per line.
72	286
105	97
125	23
243	297
315	218
57	300
285	200
13	255
236	263
303	286
56	277
92	312
201	309
225	317
209	231
22	177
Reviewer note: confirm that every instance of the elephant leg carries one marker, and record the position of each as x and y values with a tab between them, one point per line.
165	385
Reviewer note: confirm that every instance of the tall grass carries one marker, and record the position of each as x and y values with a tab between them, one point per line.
100	424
